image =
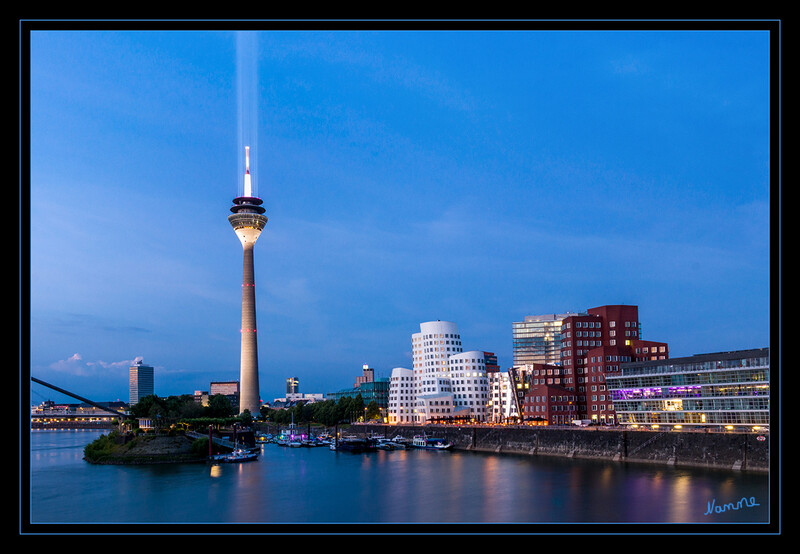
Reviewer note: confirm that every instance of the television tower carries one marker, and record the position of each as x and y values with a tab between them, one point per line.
248	221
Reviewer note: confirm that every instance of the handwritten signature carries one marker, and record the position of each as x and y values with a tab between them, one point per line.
744	502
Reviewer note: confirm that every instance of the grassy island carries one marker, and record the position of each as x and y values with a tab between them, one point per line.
118	448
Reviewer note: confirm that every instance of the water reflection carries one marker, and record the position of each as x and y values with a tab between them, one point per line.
302	485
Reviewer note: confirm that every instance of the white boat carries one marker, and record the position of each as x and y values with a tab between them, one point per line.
431	443
386	444
238	455
401	441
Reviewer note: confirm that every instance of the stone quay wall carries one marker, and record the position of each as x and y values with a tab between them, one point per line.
719	450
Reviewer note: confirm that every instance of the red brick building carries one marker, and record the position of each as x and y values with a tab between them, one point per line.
549	405
596	344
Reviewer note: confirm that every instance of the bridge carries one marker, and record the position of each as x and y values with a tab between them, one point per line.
82	399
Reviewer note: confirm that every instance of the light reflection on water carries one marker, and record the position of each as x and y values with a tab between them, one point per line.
302	485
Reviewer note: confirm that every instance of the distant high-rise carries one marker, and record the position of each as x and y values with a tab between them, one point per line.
248	221
228	389
140	383
292	385
367	376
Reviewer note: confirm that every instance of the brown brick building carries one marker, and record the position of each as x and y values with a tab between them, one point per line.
595	345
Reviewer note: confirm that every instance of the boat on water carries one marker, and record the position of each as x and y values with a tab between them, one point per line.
238	455
401	442
355	445
390	444
315	442
431	443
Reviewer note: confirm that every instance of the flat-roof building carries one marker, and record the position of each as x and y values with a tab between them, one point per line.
715	389
140	382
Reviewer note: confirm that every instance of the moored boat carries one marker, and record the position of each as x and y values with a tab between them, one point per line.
386	444
402	442
238	455
356	445
431	443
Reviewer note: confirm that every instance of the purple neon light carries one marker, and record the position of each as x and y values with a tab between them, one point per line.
656	392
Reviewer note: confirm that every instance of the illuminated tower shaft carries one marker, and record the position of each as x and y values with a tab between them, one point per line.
248	221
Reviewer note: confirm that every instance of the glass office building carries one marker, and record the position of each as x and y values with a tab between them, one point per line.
537	340
724	389
377	390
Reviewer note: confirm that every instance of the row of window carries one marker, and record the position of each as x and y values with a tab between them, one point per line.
437	336
586	324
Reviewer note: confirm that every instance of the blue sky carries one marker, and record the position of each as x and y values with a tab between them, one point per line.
475	177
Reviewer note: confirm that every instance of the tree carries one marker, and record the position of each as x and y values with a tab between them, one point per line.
191	410
220	406
325	413
373	411
148	406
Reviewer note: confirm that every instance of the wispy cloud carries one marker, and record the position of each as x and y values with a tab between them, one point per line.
76	366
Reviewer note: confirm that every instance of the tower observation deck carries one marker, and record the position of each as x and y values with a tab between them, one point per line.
248	220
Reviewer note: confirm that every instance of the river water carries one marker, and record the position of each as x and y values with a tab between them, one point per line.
316	486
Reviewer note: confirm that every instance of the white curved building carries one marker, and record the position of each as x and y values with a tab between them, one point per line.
445	381
470	384
402	396
436	341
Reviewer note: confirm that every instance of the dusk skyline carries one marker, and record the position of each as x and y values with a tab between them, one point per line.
476	177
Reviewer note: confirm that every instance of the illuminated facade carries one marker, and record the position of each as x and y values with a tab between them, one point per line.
76	416
469	384
445	384
431	347
502	405
719	389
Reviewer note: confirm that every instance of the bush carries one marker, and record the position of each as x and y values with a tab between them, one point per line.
200	447
102	447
